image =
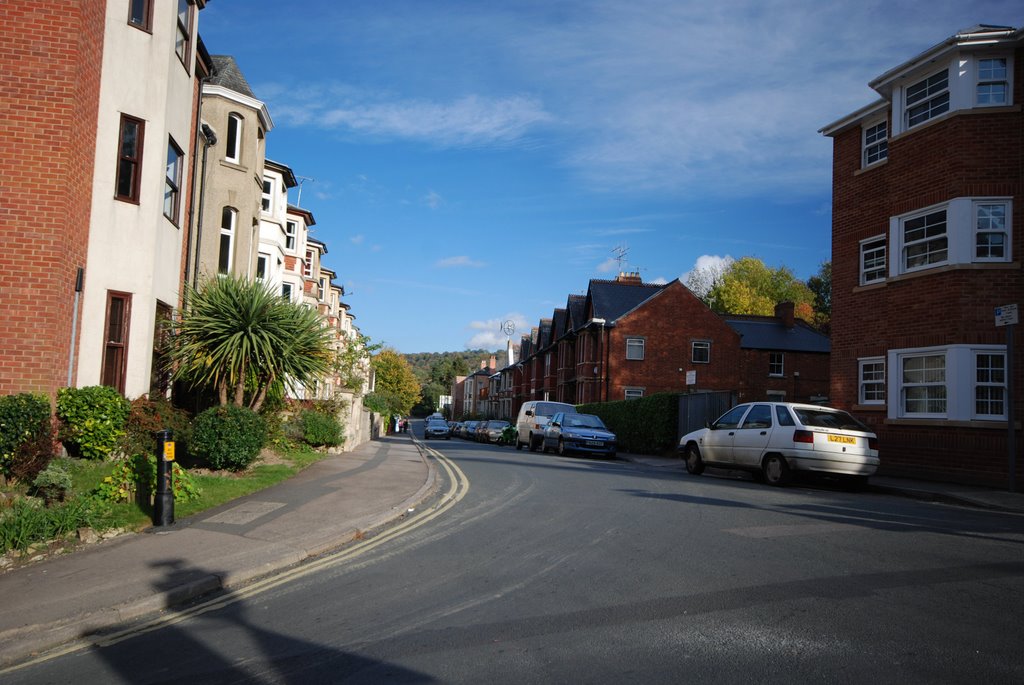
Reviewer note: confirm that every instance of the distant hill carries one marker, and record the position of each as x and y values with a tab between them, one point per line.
422	361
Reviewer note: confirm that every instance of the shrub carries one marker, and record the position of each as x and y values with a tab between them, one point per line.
92	420
320	429
146	418
24	421
53	482
137	475
228	437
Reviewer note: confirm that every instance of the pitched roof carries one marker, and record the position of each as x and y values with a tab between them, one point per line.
227	74
769	333
576	306
610	300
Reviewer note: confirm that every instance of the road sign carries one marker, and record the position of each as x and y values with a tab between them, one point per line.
1006	315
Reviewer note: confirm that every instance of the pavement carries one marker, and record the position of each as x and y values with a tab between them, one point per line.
335	501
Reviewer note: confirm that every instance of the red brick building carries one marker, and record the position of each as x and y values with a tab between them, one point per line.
926	228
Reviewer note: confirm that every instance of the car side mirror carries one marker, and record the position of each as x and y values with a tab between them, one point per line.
529	413
555	424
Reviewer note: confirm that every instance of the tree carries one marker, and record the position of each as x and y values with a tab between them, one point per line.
396	386
821	285
749	287
706	274
353	361
239	337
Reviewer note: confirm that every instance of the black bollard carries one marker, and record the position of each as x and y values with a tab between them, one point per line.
163	502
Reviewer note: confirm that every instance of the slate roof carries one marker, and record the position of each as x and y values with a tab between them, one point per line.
610	300
227	74
560	320
769	333
576	306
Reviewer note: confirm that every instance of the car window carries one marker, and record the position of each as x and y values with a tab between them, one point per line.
784	417
583	421
731	418
829	418
548	408
760	416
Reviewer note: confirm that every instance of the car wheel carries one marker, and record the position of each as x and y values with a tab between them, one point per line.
519	445
775	470
535	444
561	447
694	463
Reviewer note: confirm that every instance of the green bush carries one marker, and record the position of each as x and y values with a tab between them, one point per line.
53	482
647	425
92	420
146	418
228	437
24	420
320	429
137	474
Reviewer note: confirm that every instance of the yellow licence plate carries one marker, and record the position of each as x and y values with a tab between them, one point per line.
844	439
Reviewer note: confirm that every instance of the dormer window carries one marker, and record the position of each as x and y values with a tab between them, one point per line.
993	86
928	98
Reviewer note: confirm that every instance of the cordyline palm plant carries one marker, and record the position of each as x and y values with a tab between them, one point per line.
236	335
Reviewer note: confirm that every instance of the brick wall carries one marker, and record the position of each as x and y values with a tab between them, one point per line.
812	381
50	57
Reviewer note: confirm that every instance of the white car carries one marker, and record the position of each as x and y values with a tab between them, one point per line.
775	439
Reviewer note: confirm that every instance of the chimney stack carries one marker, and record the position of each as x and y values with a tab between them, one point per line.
493	363
785	312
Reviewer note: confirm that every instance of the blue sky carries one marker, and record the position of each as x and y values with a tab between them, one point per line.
474	162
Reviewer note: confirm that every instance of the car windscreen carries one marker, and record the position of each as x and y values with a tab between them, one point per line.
551	408
582	421
821	418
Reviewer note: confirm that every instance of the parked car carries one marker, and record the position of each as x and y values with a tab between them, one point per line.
533	417
469	430
775	439
584	433
491	430
436	429
457	429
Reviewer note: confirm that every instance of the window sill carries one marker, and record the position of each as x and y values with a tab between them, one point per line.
944	423
870	407
945	268
232	165
871	167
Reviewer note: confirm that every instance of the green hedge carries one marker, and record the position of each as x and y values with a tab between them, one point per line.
24	419
228	437
648	425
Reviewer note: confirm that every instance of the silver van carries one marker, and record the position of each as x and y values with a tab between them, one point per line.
533	417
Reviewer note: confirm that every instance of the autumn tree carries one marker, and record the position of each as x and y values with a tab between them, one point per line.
396	388
821	285
748	286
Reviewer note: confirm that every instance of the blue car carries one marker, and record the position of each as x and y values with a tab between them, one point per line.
581	433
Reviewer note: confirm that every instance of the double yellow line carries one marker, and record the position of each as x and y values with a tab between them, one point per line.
458	486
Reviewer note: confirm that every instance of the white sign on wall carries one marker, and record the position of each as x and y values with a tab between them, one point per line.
691	377
1006	315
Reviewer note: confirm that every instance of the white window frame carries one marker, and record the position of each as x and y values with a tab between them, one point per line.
703	345
172	181
873	259
980	229
990	79
775	395
996	380
264	259
871	375
924	228
777	364
234	138
961	234
227	232
959	378
267	199
635	348
322	287
874	142
307	266
930	95
287	290
632	393
291	232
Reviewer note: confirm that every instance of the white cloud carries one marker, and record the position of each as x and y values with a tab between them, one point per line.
490	335
357	239
461	260
433	200
608	266
706	270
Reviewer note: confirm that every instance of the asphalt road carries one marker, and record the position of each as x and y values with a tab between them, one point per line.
563	570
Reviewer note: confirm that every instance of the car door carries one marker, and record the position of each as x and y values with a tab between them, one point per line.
553	430
717	443
752	435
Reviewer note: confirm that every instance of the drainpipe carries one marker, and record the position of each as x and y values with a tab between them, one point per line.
192	188
79	274
209	138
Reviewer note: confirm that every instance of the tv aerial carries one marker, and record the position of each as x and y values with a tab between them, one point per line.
508	327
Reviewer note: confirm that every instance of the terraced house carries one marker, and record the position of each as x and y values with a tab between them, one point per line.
926	234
